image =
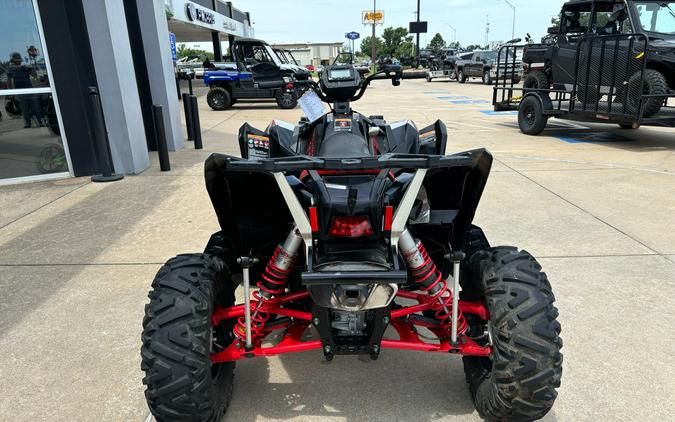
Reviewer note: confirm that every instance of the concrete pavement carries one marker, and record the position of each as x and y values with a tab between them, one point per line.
76	261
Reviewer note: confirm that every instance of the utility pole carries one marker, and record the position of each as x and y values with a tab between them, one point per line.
454	37
487	31
373	47
417	53
512	6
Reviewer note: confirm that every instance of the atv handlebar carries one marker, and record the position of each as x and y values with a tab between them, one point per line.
393	73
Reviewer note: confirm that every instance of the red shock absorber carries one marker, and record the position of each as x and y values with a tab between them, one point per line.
431	281
272	282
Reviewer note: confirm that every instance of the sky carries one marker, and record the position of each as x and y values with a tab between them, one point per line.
328	21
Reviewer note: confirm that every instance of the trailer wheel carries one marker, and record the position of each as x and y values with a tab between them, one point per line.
487	78
461	77
627	126
536	80
219	99
654	84
531	117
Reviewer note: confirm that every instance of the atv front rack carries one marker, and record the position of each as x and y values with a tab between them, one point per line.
389	161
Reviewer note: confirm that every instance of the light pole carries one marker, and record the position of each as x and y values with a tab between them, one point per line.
372	39
512	6
454	37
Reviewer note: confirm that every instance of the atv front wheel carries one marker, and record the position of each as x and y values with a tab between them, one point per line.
518	382
219	99
287	100
178	339
654	84
531	117
536	80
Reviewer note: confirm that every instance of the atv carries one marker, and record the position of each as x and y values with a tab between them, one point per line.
348	235
554	62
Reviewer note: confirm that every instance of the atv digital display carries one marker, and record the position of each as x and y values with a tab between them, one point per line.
340	75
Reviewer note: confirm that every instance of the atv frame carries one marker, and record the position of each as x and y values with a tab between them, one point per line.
280	174
609	73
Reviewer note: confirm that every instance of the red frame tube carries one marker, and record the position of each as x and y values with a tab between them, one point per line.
408	338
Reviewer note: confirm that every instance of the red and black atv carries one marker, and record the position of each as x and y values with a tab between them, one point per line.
347	227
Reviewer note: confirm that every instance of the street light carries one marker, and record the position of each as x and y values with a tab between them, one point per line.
453	30
512	6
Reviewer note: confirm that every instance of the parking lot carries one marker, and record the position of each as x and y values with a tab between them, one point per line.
595	204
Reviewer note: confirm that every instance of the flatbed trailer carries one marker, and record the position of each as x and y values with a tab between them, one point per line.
437	74
608	76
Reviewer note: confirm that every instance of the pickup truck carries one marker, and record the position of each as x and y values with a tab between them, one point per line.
483	64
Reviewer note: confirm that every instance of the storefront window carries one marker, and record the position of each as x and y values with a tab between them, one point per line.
30	138
22	62
30	135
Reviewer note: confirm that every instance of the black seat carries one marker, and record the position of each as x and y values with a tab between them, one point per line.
344	145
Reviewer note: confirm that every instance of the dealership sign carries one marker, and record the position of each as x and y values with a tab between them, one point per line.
352	35
196	14
370	17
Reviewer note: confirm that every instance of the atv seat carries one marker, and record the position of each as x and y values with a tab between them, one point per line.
344	145
265	71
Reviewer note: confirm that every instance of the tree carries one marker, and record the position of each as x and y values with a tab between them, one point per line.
455	44
474	47
365	45
184	51
406	48
392	40
436	43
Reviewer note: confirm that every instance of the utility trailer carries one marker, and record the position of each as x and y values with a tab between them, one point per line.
609	86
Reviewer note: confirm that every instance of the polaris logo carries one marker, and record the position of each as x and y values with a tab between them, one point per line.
195	14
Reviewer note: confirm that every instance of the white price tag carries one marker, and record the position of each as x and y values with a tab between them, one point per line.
312	106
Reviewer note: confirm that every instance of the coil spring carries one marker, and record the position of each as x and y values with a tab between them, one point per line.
431	281
274	280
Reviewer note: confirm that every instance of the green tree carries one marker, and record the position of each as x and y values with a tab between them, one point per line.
184	51
392	39
365	46
436	43
455	44
406	48
474	47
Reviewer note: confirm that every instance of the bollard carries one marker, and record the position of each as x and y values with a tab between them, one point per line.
101	148
190	83
196	125
187	108
178	87
160	137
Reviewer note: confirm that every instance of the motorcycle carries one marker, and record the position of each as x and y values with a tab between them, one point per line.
346	227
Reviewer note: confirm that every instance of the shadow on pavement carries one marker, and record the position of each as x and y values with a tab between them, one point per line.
80	232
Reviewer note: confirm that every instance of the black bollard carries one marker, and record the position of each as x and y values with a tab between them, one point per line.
187	108
190	77
101	148
178	87
196	125
160	137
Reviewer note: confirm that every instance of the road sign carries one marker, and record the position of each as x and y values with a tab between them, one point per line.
370	17
352	35
418	27
172	41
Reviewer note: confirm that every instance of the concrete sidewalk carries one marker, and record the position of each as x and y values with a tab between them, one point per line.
77	259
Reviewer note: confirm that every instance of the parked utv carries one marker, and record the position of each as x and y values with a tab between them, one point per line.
345	227
258	73
554	64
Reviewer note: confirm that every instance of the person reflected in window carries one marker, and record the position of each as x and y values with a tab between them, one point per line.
19	77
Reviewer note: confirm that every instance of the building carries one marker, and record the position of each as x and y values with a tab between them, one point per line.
53	51
313	53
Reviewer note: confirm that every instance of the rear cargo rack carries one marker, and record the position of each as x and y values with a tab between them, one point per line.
388	161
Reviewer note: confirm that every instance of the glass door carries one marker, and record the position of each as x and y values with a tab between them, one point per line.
32	145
